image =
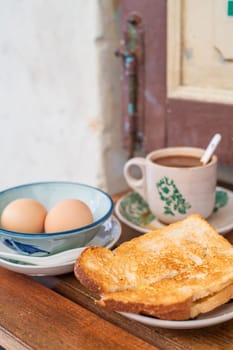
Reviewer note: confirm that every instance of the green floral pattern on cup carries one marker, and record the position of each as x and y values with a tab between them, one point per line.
170	194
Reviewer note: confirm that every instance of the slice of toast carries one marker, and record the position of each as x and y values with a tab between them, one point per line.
175	273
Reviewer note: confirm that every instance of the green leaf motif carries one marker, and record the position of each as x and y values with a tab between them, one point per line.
221	199
136	210
170	194
167	210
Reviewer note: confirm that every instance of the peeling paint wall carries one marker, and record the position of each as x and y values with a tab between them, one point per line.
60	93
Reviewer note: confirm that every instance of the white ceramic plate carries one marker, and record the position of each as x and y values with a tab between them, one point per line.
108	235
217	316
132	210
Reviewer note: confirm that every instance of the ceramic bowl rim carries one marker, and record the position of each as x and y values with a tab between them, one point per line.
64	233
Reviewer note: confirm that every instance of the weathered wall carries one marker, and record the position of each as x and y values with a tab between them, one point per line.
59	93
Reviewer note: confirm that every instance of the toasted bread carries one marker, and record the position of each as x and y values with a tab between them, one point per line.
175	273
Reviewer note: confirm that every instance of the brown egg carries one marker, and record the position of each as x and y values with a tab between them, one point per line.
24	215
68	215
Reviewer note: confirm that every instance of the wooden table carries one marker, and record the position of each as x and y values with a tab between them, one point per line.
54	313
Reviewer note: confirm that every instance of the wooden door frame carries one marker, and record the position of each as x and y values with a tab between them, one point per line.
175	121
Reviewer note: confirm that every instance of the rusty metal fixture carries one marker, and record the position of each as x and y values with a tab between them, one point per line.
131	53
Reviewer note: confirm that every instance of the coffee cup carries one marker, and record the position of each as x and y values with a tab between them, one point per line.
174	182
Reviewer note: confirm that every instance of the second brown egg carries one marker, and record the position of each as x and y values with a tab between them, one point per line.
66	215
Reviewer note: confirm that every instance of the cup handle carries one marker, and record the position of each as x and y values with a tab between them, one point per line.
139	185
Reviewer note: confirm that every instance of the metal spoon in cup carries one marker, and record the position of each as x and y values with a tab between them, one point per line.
210	148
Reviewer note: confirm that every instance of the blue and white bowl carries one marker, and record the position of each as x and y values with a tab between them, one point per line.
48	194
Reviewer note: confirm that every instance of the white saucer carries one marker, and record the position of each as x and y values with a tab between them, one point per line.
217	316
108	235
132	210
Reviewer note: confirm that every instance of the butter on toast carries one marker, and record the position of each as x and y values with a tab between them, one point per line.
175	273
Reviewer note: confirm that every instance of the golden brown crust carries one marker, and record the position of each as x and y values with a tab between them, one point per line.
178	311
82	275
86	281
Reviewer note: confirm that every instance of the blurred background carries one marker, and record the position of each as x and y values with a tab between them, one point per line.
60	93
